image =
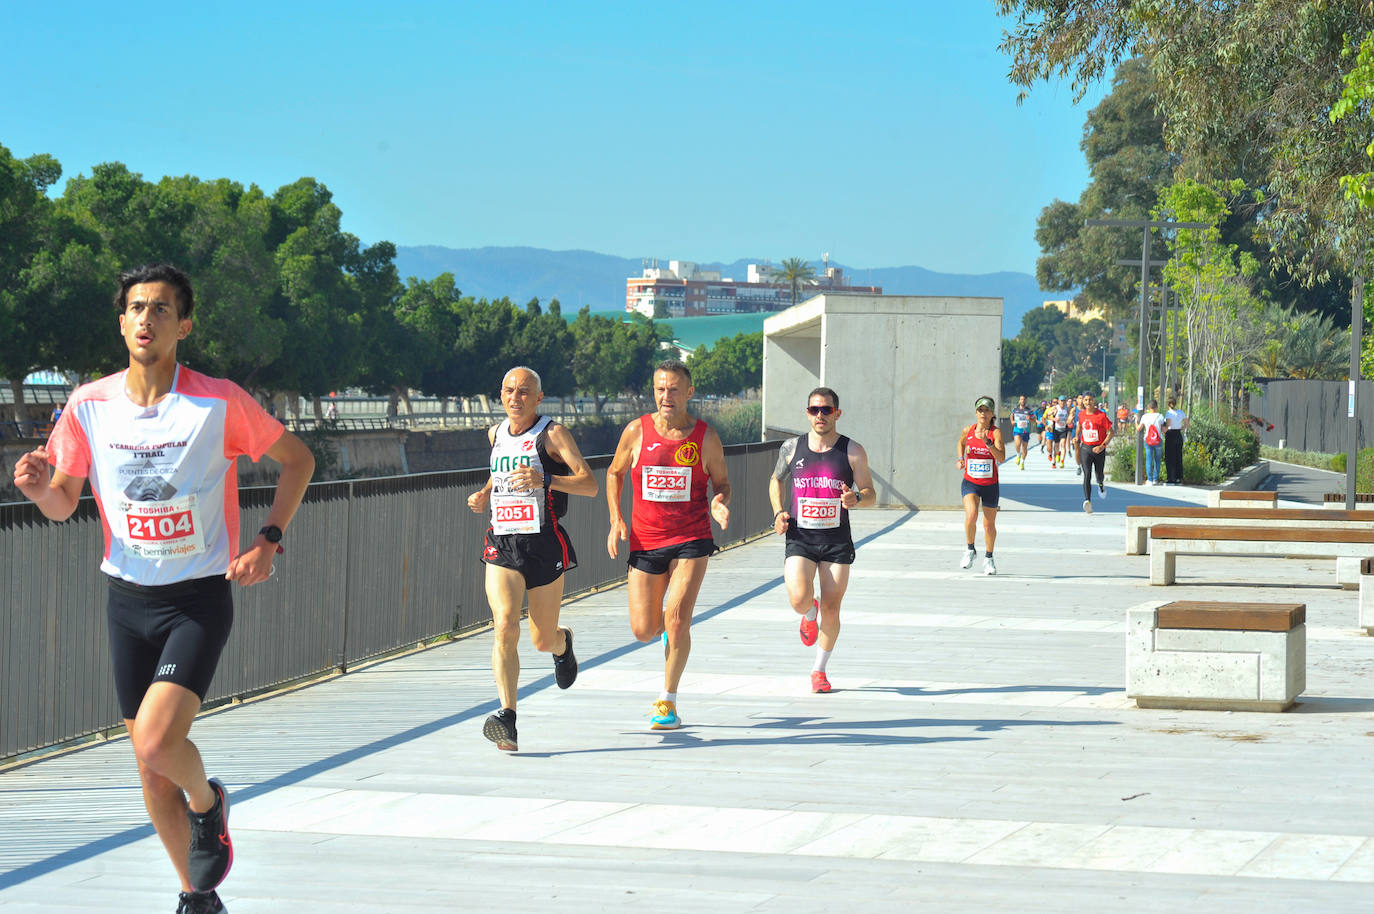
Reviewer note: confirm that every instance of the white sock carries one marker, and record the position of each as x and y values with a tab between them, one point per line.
822	658
668	696
810	614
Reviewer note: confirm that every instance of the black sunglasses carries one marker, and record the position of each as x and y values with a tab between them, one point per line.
820	410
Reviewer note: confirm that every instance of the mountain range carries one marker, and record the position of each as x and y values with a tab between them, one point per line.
576	278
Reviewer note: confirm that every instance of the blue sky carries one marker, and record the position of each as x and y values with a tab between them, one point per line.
883	133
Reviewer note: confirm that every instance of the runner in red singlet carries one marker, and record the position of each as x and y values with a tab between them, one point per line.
670	456
159	444
980	451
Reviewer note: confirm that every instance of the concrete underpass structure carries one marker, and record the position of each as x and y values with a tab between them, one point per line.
907	369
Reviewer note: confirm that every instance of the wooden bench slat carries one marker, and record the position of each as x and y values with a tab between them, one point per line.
1258	514
1261	534
1247	617
1241	495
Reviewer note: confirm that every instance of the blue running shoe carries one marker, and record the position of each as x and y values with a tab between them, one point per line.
664	716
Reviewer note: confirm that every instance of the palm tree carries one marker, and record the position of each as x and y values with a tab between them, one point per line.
796	272
1315	348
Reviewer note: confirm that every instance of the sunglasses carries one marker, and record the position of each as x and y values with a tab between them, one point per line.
820	410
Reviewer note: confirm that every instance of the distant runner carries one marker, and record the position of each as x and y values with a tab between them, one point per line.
827	476
1021	419
981	449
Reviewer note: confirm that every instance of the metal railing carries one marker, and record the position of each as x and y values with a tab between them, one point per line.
371	566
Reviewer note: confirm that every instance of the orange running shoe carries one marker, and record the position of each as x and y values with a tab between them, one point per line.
818	681
809	629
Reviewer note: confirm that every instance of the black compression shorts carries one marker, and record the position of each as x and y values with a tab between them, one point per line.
167	633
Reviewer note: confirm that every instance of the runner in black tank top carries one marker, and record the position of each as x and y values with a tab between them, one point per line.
827	476
535	465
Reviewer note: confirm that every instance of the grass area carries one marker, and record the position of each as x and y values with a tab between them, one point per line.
1302	458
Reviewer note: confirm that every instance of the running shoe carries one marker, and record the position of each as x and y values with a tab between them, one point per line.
565	664
211	852
664	716
989	567
1087	506
1101	490
969	556
200	903
809	628
1078	469
818	681
500	729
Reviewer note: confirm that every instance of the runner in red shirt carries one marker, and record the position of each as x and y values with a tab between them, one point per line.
981	449
159	444
670	456
1094	431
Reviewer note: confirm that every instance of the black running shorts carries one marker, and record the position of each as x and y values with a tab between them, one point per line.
656	561
834	553
988	494
166	633
541	557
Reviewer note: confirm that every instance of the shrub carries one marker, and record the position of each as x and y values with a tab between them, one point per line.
740	422
1121	465
1227	446
1364	469
1200	466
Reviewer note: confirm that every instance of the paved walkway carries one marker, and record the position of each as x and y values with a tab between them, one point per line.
977	755
1304	485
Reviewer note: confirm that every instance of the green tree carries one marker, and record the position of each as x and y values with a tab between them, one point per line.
794	272
1073	383
1023	366
1123	140
544	341
611	357
1244	87
732	365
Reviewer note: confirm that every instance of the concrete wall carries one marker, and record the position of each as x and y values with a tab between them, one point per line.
907	369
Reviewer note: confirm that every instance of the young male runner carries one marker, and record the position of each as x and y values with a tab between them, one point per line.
158	442
1094	431
828	477
535	465
670	457
1061	430
1020	431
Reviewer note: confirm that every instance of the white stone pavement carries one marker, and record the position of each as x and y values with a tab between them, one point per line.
977	754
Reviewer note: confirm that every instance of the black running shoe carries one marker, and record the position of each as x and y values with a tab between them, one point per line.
565	664
500	729
211	853
200	903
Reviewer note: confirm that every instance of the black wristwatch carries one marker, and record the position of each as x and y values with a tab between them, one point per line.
271	533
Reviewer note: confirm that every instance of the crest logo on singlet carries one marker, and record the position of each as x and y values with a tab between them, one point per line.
687	454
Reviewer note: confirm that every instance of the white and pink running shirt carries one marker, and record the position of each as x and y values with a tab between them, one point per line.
164	476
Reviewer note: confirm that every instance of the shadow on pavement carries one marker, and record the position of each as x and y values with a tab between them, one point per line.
1068	496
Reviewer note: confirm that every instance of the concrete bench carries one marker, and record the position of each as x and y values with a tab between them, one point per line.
1367	595
1228	498
1140	518
1347	546
1216	656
